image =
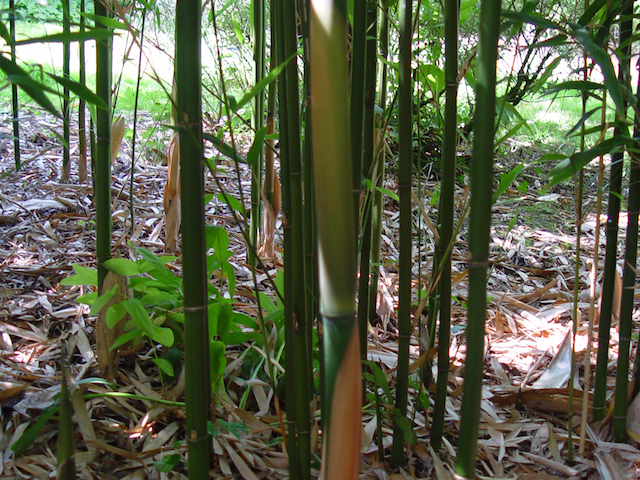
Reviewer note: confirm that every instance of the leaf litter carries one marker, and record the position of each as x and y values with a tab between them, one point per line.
135	429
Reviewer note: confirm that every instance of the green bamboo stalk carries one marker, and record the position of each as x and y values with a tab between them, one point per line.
134	134
14	88
367	163
66	119
293	212
479	227
296	321
358	48
405	161
446	214
611	249
189	106
576	317
628	285
379	169
82	122
102	176
310	232
336	240
257	120
277	23
626	305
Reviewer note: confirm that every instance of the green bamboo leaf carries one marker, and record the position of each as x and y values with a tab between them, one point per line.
167	463
163	335
102	300
34	89
533	18
602	58
125	338
123	267
97	34
164	365
83	276
88	299
140	316
4	33
573	164
30	434
580	85
232	202
583	119
218	360
253	157
224	148
80	90
591	11
551	157
106	21
506	179
238	31
404	424
115	313
391	194
247	97
555	41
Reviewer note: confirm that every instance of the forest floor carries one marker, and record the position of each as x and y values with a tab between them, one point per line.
46	225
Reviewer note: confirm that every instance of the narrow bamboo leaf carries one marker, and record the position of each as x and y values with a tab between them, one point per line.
393	195
542	80
572	165
591	11
512	131
122	266
256	149
533	18
584	118
163	335
218	359
34	89
167	463
238	31
550	157
125	337
602	58
263	83
102	300
115	313
96	34
596	129
245	320
506	179
88	299
29	436
579	85
232	202
164	365
140	316
152	259
405	425
107	21
4	33
80	90
224	148
555	41
83	276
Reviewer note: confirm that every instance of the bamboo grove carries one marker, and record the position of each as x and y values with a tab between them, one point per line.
332	83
